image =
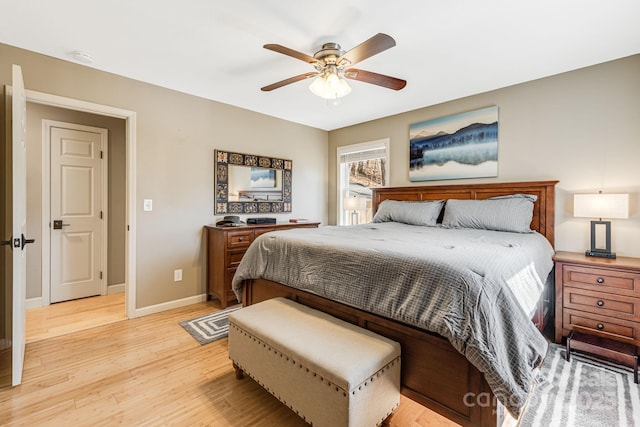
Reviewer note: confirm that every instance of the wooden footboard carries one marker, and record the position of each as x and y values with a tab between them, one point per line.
434	374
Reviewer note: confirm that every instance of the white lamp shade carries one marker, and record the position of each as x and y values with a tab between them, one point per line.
354	203
330	86
611	206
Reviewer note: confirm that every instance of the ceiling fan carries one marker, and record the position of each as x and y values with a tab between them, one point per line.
333	64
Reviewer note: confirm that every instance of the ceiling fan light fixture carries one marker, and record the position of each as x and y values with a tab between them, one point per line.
331	64
330	85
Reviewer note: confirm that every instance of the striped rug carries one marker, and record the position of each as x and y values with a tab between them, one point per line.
210	327
583	392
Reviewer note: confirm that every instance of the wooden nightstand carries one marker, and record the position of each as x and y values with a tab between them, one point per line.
598	306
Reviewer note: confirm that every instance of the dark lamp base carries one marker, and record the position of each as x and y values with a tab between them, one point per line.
601	254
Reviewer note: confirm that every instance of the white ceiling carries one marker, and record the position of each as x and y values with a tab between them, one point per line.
445	49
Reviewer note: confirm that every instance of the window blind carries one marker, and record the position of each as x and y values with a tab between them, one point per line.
366	154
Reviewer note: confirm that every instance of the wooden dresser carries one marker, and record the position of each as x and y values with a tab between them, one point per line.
225	248
598	305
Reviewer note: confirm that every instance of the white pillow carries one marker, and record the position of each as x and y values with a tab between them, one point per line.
413	213
503	213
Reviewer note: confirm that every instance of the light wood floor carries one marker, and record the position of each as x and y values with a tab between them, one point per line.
72	316
145	372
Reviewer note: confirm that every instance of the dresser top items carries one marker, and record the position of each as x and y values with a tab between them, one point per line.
277	225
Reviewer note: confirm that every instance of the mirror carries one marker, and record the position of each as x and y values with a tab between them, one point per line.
248	184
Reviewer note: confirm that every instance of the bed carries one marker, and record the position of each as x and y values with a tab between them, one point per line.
440	370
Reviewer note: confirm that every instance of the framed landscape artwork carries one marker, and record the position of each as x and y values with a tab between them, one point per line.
263	178
463	145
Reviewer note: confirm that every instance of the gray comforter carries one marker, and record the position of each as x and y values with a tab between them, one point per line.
477	288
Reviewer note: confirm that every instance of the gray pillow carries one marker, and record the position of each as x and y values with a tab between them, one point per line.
413	213
503	213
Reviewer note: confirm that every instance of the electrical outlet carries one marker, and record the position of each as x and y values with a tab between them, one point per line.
147	205
177	275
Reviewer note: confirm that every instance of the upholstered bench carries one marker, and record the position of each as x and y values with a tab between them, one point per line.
330	372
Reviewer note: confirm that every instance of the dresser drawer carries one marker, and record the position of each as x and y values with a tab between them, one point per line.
238	239
624	307
607	280
228	279
234	258
606	327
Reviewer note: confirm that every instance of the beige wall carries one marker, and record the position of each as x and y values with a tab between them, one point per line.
176	136
581	128
116	215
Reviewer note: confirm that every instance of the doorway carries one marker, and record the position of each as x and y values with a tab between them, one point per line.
128	178
80	221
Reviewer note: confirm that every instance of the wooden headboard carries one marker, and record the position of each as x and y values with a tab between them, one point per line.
543	209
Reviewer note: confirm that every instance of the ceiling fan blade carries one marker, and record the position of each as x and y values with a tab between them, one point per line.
376	44
375	78
290	52
289	81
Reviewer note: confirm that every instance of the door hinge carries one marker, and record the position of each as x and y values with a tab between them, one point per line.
101	154
101	275
100	214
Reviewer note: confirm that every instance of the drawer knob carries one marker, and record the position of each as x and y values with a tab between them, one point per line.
600	280
600	326
600	303
242	238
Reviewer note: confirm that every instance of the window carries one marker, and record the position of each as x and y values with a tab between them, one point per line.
361	167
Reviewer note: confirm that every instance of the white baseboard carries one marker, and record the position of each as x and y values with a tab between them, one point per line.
115	289
37	302
33	303
152	309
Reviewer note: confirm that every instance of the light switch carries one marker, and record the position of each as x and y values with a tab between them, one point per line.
148	205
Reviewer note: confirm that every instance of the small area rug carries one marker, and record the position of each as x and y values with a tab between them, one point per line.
583	392
210	327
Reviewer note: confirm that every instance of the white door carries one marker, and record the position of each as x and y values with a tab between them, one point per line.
78	212
19	194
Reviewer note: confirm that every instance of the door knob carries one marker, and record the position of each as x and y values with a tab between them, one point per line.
57	224
5	242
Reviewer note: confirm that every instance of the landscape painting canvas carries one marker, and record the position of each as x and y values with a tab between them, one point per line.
463	145
263	178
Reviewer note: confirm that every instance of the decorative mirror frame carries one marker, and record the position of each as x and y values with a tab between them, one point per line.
222	204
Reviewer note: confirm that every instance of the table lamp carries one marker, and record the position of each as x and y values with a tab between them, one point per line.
610	206
354	204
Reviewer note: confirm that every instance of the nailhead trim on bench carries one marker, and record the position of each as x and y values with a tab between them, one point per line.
337	386
284	402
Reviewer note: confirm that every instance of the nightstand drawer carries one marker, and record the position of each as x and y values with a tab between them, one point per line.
237	239
602	303
601	278
607	327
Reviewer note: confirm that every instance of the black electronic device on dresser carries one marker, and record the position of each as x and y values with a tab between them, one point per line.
261	220
598	306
